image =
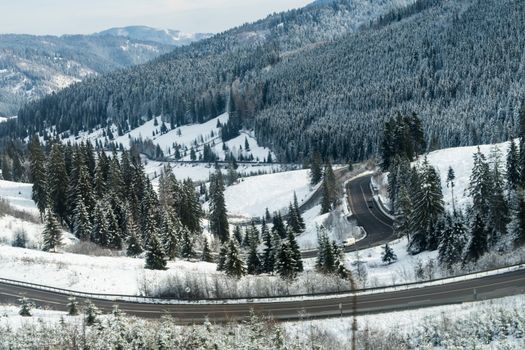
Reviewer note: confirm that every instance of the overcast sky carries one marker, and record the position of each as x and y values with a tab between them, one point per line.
87	16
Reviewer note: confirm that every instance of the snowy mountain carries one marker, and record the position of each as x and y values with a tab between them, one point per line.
161	36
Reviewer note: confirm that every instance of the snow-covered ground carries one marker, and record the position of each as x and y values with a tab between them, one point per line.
251	196
461	161
186	136
18	195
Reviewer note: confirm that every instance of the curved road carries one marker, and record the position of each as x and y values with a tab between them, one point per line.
510	283
378	226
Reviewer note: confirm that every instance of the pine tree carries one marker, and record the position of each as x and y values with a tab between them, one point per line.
206	253
237	234
82	222
25	307
72	307
513	167
316	171
451	177
135	245
218	214
326	203
268	253
187	252
285	263
223	252
155	258
57	181
278	226
296	252
234	266
477	245
388	256
91	313
52	234
253	262
428	209
37	176
452	242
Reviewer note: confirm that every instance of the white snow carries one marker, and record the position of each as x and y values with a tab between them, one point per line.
253	195
18	195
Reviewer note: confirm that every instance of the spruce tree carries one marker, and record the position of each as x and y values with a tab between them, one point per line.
428	209
296	252
297	212
206	252
316	171
477	245
253	262
134	243
513	167
517	223
169	234
278	226
522	143
480	184
37	169
237	234
285	263
234	266
57	180
223	252
82	222
388	256
155	257
452	242
326	256
72	306
91	313
268	253
451	177
326	202
186	251
52	234
218	215
403	215
331	181
498	214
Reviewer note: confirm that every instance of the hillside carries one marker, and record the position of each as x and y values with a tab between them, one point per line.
160	36
34	66
193	83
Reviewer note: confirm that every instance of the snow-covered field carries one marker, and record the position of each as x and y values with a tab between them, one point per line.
18	195
186	136
251	196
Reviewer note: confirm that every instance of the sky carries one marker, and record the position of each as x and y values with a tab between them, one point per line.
57	17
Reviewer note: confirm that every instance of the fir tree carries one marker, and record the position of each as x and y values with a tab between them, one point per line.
403	215
155	257
517	223
52	234
477	245
223	252
206	252
498	214
300	220
237	234
234	266
170	235
388	256
326	257
218	214
326	203
480	184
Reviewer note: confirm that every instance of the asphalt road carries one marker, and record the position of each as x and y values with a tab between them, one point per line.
378	226
510	283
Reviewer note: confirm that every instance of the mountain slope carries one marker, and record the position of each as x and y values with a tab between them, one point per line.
458	64
160	36
193	83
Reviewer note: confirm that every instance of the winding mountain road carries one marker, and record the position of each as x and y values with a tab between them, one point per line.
379	230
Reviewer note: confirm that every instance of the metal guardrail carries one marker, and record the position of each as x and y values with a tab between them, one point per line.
275	299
